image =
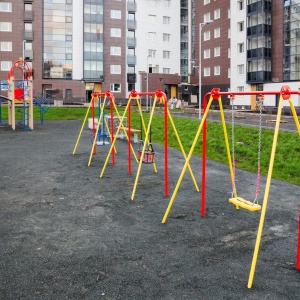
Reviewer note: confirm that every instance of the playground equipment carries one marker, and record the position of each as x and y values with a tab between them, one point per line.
146	153
285	94
4	86
239	201
103	133
20	95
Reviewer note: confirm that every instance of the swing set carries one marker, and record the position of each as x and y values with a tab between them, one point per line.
146	154
103	134
285	94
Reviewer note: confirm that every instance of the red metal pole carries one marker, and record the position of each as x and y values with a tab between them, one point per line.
166	146
129	138
112	128
204	160
298	249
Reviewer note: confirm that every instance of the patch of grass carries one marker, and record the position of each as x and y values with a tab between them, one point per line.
287	157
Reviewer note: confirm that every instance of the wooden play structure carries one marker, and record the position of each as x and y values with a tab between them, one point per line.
20	94
215	95
146	153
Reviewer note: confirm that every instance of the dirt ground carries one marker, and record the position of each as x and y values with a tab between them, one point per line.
67	234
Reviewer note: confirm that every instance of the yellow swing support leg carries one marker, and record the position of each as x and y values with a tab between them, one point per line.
83	124
187	161
266	195
144	148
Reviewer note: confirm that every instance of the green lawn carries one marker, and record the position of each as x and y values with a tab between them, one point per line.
287	159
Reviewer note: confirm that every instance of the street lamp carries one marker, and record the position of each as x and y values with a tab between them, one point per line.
147	82
200	60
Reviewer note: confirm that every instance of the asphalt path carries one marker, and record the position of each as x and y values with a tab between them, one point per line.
67	234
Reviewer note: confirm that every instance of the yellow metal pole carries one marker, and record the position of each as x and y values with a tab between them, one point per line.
295	115
227	146
143	151
182	150
80	132
119	118
97	130
187	161
144	130
266	195
114	141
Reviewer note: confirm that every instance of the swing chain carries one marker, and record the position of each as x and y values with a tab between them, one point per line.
260	103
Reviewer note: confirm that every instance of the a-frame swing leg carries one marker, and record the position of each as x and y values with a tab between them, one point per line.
187	161
144	148
266	196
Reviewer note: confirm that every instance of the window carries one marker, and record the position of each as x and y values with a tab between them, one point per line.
166	20
229	52
151	53
167	3
152	36
229	73
240	88
217	51
68	19
166	70
115	87
228	13
5	26
216	70
240	69
6	46
166	54
69	38
206	2
206	17
5	6
217	13
217	32
115	14
229	33
6	65
152	19
28	26
207	35
115	69
166	37
240	26
28	7
207	71
114	50
115	32
240	48
152	2
207	53
240	4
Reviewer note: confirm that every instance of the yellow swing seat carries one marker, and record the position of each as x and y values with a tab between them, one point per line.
240	202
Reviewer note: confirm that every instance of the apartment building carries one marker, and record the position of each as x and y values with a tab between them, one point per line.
77	46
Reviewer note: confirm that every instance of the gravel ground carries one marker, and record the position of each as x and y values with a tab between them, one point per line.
67	234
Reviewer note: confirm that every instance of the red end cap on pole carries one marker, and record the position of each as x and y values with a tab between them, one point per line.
215	92
285	92
133	94
159	93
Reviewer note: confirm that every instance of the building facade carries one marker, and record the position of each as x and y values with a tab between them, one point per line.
78	46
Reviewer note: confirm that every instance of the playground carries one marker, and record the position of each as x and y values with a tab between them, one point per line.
68	234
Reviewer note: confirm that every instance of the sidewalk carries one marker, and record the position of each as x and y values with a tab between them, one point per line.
67	234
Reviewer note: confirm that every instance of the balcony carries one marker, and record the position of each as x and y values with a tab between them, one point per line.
28	35
131	42
259	77
131	24
131	60
131	6
28	15
259	53
28	54
131	78
258	6
261	29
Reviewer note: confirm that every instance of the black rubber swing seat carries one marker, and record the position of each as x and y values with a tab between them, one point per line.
240	202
